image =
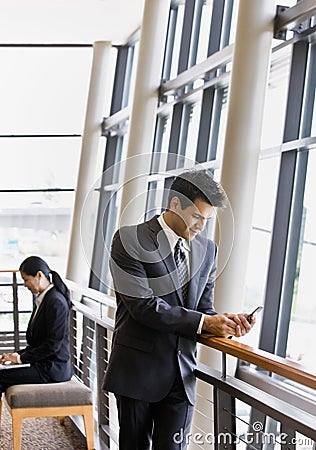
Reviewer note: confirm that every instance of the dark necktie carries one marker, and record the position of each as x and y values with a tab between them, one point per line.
182	266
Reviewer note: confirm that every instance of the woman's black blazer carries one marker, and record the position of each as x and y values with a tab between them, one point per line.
47	337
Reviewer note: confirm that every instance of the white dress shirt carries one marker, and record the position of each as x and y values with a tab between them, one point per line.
40	297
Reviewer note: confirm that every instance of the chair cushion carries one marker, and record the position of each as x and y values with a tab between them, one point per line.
66	393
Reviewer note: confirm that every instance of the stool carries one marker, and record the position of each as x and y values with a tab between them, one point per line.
68	398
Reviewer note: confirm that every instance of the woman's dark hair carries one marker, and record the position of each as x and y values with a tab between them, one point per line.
197	184
33	264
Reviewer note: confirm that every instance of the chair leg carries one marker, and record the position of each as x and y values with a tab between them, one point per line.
0	408
89	426
16	429
61	420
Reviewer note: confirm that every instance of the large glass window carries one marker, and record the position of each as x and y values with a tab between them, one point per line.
35	223
16	304
206	17
43	100
260	239
191	127
276	98
39	163
303	314
175	27
43	90
112	169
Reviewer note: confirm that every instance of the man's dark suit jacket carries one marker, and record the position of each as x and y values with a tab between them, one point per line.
47	337
155	335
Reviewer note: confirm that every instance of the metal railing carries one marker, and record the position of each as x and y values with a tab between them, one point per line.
231	411
12	337
252	410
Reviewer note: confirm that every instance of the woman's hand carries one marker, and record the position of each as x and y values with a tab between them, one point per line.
9	358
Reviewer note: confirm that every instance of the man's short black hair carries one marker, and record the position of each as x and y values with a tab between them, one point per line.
197	184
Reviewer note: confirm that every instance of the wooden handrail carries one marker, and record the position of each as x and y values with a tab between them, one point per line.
9	271
268	361
272	363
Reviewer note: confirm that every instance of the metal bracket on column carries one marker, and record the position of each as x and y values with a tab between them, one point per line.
296	19
277	34
104	131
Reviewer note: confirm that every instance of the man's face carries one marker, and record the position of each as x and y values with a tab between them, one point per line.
190	221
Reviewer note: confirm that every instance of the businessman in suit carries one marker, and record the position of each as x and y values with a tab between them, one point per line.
163	272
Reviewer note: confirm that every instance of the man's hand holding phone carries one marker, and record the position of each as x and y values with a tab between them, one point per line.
229	325
244	322
251	318
242	325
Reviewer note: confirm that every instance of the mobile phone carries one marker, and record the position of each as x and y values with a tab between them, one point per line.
255	311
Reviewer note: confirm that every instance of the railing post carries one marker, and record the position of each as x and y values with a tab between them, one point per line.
288	438
257	423
224	420
88	327
74	341
103	399
224	365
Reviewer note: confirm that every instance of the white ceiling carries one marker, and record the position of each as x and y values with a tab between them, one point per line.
68	21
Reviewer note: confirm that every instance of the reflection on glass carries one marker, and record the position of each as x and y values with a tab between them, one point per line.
39	163
133	74
303	315
204	31
192	136
6	323
8	309
260	240
35	223
177	42
233	27
276	98
44	90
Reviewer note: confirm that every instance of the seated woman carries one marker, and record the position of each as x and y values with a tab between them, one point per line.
47	335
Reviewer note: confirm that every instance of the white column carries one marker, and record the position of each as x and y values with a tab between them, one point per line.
239	169
143	113
81	239
251	63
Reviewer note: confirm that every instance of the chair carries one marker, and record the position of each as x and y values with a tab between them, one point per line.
69	398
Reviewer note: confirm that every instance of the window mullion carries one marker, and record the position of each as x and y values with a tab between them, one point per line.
280	234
